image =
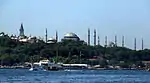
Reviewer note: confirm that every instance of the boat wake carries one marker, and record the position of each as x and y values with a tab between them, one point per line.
72	70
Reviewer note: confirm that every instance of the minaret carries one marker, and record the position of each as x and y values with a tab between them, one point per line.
21	30
46	35
134	43
56	36
142	44
115	40
94	37
98	40
122	41
88	36
105	41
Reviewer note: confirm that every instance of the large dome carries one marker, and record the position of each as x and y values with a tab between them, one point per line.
71	36
51	40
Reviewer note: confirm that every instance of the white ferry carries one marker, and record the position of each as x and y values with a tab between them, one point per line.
45	65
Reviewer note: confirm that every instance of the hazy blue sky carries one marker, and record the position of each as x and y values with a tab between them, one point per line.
130	18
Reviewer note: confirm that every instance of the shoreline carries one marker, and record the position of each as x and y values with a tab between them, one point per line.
22	67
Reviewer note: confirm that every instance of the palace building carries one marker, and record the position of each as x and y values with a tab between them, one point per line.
22	37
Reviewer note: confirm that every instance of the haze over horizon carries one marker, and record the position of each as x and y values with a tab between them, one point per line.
129	18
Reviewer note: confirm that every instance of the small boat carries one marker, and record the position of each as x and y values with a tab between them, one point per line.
148	69
33	68
47	65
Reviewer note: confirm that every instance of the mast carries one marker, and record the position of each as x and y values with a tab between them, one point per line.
80	57
57	53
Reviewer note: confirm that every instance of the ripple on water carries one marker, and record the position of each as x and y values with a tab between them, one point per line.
94	76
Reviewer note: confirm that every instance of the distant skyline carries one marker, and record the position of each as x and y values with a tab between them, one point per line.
128	18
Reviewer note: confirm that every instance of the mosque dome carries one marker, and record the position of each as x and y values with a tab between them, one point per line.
51	40
71	36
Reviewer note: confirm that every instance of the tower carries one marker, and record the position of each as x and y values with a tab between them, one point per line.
115	40
46	35
105	41
94	37
142	44
134	43
56	36
21	30
122	41
88	36
98	40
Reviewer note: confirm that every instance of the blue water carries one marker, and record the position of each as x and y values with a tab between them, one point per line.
80	76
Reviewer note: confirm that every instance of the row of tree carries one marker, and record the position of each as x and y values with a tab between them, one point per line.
13	52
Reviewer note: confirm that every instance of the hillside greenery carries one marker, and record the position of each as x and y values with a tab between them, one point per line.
13	52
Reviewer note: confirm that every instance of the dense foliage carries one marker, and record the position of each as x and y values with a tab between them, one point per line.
13	52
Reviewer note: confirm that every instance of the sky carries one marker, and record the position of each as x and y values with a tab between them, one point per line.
129	18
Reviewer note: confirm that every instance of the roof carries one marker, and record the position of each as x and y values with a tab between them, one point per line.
70	35
51	39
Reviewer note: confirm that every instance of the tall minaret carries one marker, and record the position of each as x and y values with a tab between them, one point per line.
122	41
98	40
94	37
115	40
21	30
46	36
105	41
134	43
142	44
88	36
56	36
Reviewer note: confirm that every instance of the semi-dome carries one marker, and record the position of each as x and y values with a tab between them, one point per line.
71	36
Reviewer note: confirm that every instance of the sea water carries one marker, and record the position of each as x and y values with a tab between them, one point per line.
75	76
